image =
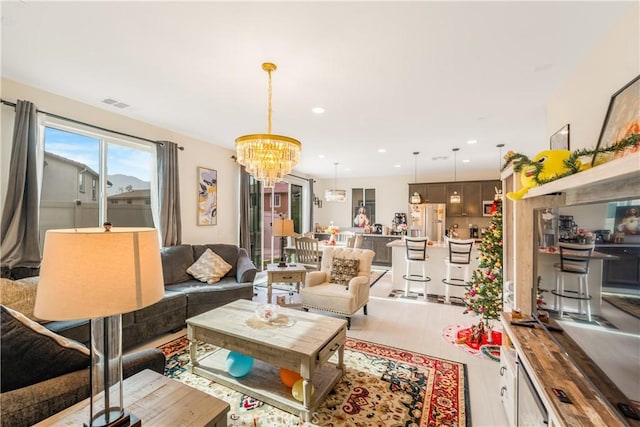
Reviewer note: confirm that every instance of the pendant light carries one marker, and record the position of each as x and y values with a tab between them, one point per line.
333	194
415	197
266	156
455	197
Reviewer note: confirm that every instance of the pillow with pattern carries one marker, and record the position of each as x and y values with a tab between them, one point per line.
209	268
343	270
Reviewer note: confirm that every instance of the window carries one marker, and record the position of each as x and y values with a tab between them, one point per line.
276	201
112	165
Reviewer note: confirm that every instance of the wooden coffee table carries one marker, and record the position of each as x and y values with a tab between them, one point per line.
297	340
157	401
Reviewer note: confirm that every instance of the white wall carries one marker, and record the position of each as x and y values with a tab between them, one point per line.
583	100
196	153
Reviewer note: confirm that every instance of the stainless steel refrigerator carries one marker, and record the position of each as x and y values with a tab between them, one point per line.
427	220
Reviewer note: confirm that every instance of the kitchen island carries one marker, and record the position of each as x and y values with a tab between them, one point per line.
436	268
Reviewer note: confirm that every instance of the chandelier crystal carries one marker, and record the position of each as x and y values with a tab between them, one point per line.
333	194
266	156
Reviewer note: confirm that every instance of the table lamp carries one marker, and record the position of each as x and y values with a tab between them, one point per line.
98	274
283	228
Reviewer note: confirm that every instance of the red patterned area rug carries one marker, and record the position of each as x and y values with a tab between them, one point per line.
461	337
383	386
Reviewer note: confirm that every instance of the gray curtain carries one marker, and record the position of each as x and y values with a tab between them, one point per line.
19	226
169	194
245	196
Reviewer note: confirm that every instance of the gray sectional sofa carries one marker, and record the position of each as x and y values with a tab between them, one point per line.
184	296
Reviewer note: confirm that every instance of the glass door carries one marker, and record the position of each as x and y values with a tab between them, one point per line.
285	200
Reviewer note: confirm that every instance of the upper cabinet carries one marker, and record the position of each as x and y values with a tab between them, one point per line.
436	193
489	189
421	189
472	194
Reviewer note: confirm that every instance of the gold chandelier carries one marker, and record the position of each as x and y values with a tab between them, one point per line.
266	156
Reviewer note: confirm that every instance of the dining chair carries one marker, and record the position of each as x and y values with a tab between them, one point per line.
307	253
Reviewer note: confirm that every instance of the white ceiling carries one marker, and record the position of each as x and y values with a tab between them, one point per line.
411	76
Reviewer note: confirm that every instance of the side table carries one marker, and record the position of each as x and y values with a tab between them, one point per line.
292	273
157	401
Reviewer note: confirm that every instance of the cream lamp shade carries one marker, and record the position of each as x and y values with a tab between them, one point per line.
91	273
283	228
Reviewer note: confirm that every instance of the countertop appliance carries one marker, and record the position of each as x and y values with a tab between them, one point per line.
427	220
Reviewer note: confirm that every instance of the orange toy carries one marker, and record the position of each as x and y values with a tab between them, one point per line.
288	377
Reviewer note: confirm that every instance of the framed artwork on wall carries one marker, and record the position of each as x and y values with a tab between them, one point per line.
207	196
622	119
560	139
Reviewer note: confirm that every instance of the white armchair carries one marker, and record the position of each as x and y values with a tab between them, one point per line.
320	293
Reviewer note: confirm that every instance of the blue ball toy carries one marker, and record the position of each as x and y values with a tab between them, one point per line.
238	364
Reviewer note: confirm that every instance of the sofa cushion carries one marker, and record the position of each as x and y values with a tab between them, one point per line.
343	270
20	295
31	353
210	267
230	253
175	261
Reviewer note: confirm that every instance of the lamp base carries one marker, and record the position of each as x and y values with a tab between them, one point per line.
126	420
282	264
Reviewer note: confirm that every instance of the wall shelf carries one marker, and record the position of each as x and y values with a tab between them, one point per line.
620	175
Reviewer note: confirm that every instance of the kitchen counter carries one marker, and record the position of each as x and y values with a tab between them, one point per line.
436	268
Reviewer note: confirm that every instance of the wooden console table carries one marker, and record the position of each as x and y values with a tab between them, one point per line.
290	273
157	401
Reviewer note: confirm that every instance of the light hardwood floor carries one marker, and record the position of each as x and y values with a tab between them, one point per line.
418	326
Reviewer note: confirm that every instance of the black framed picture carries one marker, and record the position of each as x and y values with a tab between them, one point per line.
560	139
622	118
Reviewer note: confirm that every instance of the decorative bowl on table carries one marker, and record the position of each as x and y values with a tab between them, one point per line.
267	312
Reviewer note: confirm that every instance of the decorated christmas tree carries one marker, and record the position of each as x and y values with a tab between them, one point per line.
483	295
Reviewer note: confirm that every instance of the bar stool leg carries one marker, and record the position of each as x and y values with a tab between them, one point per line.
424	275
446	287
406	280
561	308
586	295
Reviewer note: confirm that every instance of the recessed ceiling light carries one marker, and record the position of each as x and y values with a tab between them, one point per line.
466	161
348	169
472	141
396	166
321	156
317	110
382	150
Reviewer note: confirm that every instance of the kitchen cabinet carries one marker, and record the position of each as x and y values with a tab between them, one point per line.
470	199
625	271
436	193
489	189
454	209
378	244
421	189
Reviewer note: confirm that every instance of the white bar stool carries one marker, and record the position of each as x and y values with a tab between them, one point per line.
459	260
416	253
574	262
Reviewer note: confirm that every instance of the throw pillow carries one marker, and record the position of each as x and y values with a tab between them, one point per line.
209	268
20	295
343	270
31	353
